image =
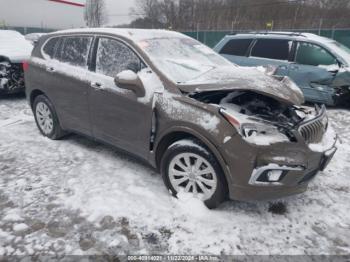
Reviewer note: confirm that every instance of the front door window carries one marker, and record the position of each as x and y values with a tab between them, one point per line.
314	55
113	57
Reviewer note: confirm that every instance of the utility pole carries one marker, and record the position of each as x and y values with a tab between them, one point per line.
320	27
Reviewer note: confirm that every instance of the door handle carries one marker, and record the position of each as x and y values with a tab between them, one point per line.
294	67
97	86
50	69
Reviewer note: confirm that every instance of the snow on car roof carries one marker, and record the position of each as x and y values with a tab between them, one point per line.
294	35
134	34
14	46
6	34
317	38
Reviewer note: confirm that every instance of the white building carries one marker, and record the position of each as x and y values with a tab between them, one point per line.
53	14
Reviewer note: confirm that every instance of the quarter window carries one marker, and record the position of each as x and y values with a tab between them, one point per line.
75	50
310	54
50	47
113	57
237	47
278	49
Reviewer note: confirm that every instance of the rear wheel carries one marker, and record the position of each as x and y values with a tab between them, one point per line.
189	167
46	118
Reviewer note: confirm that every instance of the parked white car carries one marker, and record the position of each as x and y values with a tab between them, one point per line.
33	37
15	50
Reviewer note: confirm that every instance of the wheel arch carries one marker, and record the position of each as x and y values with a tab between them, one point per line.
35	93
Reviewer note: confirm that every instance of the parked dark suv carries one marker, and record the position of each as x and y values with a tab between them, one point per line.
213	129
319	66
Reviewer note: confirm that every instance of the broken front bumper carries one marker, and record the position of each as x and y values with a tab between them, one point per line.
274	175
278	170
272	181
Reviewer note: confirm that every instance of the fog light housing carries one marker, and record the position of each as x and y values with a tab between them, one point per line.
274	175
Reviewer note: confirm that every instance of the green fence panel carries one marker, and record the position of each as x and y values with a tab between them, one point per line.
343	36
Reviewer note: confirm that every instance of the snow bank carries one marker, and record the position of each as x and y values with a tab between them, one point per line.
191	206
20	227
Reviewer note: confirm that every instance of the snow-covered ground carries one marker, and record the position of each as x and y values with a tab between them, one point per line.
77	196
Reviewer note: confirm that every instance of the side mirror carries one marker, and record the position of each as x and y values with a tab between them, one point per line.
130	81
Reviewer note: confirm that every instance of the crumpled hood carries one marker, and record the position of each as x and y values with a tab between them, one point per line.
246	79
342	78
16	49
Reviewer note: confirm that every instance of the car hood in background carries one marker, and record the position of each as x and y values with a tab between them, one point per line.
245	79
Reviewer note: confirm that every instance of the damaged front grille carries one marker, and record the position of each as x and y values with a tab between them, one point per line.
313	130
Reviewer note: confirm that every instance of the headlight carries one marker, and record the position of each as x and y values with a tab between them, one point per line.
255	132
253	129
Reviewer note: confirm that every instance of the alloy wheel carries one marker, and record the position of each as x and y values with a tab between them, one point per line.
44	118
191	173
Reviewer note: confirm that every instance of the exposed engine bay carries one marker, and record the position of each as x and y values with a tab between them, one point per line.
263	120
257	106
11	77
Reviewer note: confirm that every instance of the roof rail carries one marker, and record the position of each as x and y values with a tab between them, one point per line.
270	33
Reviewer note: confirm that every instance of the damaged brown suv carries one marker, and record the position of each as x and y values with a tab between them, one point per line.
213	129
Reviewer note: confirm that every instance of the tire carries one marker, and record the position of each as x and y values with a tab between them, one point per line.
177	175
46	118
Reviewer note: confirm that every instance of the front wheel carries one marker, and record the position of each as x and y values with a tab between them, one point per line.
189	167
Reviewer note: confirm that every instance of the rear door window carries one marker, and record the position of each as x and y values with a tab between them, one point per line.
50	47
278	49
237	47
75	50
311	54
113	57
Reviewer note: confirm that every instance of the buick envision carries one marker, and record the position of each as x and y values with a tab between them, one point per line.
213	129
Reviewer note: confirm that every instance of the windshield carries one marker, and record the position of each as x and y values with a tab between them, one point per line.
341	50
182	59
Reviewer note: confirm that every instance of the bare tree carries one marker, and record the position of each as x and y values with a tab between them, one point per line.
95	14
186	15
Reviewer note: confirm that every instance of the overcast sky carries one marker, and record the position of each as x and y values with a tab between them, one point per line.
39	13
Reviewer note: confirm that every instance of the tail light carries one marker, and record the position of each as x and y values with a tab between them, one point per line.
25	66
